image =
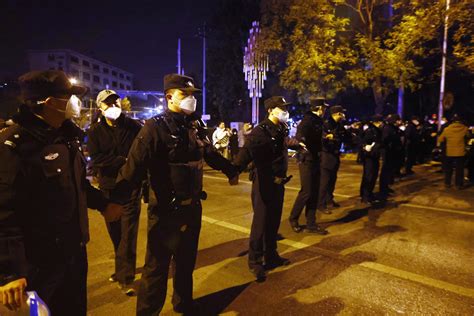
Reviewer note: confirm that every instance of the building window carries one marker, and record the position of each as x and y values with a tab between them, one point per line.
96	67
114	73
114	84
105	70
86	63
96	91
121	76
105	81
51	57
60	56
74	59
127	87
121	86
96	79
127	77
74	72
86	76
60	68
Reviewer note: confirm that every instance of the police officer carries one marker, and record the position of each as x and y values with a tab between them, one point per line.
309	132
110	140
334	134
371	150
44	196
267	147
412	143
392	145
171	148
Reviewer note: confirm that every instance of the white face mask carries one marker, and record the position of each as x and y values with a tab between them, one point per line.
188	104
73	107
112	113
283	116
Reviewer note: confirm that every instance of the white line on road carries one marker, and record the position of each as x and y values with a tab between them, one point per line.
468	292
432	208
286	186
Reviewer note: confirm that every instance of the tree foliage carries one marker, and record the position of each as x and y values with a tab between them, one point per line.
327	46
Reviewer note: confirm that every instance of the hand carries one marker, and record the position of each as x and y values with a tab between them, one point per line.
234	180
368	148
112	212
12	294
329	136
471	142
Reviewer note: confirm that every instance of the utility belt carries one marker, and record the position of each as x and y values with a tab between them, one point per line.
178	204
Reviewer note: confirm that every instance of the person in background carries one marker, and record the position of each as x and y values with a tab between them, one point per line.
267	147
220	140
454	136
110	140
309	132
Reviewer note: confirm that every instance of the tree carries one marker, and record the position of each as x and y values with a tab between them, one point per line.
332	45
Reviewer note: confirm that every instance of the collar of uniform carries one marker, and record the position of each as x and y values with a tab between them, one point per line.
120	121
179	118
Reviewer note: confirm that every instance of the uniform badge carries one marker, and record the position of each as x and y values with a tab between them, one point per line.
190	84
51	156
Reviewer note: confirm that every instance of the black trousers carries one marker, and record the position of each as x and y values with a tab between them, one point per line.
411	156
172	237
389	165
369	178
458	164
307	198
267	203
124	234
328	181
61	282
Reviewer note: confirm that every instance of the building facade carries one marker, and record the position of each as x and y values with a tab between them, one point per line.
89	72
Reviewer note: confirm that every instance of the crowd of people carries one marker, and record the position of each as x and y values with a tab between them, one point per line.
45	194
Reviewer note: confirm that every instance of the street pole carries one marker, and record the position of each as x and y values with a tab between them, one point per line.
204	70
443	67
179	56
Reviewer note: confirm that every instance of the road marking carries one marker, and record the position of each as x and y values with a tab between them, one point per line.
447	210
419	278
468	292
432	208
286	186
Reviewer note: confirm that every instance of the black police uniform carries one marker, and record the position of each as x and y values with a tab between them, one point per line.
108	148
267	147
170	148
390	157
44	196
309	132
412	146
330	160
372	136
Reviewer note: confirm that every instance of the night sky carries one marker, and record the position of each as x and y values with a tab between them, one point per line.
136	35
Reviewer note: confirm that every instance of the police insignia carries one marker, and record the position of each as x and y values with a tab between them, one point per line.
190	84
51	156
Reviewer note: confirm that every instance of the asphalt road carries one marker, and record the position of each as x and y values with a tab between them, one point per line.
414	256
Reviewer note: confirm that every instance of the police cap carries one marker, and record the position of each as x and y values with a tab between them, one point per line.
39	85
175	81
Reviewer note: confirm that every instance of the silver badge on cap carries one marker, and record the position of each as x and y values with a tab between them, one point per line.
283	99
51	156
189	83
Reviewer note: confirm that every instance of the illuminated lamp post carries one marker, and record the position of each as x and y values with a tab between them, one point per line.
255	69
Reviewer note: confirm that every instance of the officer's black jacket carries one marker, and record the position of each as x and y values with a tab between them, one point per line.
340	135
372	135
309	132
412	135
108	147
169	138
44	194
267	147
392	142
